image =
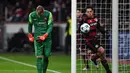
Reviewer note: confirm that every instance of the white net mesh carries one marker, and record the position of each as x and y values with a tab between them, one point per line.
124	36
103	9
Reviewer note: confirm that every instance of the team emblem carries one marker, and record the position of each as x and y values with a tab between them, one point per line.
45	19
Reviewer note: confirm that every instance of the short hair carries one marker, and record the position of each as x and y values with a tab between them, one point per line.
39	6
89	7
78	10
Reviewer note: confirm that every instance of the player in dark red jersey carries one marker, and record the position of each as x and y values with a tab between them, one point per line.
91	37
84	52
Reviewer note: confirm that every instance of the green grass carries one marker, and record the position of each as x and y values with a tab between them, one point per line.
57	62
80	66
123	68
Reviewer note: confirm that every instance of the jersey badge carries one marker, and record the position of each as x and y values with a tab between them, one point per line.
45	19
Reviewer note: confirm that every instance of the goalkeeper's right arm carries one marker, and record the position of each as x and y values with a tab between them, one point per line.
30	23
30	36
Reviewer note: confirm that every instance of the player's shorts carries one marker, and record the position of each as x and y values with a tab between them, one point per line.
93	45
43	48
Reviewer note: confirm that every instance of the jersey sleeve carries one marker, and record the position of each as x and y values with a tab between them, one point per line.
50	23
30	23
101	28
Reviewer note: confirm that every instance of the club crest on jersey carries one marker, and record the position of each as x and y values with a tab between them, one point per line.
90	21
45	19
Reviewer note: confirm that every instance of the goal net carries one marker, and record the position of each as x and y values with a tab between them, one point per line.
103	9
124	36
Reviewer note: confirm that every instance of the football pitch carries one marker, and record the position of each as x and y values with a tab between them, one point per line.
80	66
25	63
123	68
59	63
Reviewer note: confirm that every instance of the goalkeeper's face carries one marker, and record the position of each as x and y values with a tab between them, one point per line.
89	13
39	10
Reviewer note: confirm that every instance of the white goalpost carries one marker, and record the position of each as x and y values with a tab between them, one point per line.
115	36
73	37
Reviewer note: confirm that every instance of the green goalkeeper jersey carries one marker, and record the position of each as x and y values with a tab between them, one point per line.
42	24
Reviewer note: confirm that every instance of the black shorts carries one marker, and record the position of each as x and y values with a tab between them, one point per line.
93	45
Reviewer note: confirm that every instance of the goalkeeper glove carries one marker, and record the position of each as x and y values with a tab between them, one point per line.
43	37
30	37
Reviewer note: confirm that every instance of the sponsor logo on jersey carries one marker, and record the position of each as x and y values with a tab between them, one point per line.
92	20
93	24
41	22
35	19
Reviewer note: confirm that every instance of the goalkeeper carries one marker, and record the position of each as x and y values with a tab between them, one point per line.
43	24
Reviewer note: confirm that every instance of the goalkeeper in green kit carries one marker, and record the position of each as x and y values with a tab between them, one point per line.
43	23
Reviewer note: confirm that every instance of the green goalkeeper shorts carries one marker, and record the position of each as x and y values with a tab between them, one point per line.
43	48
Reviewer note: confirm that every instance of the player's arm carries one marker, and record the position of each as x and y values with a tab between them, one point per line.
50	26
30	23
50	23
67	28
101	28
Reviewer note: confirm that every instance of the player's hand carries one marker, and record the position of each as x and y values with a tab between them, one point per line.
42	38
30	37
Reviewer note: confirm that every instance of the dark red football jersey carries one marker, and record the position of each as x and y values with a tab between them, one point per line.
94	26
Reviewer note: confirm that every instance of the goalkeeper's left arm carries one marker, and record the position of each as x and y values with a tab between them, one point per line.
50	23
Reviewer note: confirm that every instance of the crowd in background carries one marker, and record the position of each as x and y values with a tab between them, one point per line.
18	10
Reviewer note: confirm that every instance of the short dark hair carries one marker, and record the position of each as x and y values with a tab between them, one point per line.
40	6
89	7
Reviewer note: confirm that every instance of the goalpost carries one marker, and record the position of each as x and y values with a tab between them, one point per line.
73	37
115	36
115	16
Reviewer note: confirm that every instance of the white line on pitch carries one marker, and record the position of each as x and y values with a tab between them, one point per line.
22	63
17	70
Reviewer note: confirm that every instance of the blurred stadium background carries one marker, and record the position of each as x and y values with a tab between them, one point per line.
15	49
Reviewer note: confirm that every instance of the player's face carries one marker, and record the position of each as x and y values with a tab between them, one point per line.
39	11
89	13
78	13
